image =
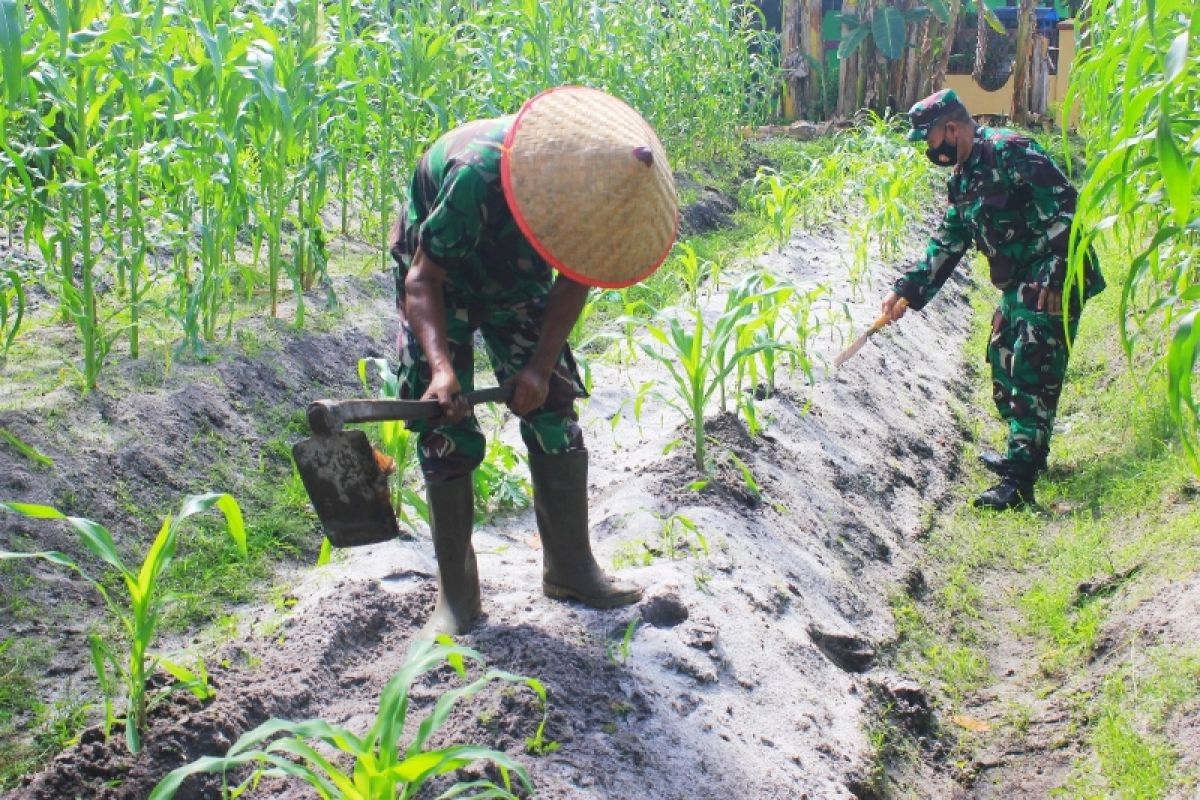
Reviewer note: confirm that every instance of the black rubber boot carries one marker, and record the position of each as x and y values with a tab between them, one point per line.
451	519
996	463
1010	493
569	570
993	462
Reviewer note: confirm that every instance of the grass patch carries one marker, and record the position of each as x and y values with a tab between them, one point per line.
1118	520
1133	756
30	731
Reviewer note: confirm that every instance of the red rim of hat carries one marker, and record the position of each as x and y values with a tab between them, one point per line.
523	224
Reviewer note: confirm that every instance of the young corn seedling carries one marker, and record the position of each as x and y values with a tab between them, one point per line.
766	299
694	270
779	203
617	650
676	534
699	362
12	310
141	611
380	764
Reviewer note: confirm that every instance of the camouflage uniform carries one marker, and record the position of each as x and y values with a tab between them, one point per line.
496	284
1017	207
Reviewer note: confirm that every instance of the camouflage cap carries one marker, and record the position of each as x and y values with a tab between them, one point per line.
925	113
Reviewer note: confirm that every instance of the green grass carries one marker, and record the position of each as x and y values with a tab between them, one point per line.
210	574
1133	756
1117	510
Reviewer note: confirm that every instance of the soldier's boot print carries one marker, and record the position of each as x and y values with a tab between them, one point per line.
569	570
451	519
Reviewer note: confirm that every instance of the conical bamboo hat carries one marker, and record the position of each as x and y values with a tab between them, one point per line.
590	187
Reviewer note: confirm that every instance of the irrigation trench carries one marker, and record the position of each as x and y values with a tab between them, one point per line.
753	669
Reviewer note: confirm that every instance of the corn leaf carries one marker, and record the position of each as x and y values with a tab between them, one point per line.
53	556
160	553
25	449
1174	169
11	16
1181	366
196	504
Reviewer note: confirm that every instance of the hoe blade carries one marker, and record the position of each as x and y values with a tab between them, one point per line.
348	487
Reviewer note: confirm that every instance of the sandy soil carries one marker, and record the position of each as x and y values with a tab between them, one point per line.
751	673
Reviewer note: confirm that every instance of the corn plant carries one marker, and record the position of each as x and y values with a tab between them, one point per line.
12	310
694	271
141	142
1136	85
382	765
617	650
767	299
498	484
676	532
142	610
778	200
699	361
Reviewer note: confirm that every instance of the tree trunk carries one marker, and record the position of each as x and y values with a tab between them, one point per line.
791	58
803	60
942	48
981	37
1021	69
814	48
868	80
921	71
849	100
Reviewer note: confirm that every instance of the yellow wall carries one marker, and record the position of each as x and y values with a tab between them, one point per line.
980	101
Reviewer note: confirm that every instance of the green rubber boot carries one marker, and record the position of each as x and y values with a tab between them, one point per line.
569	571
451	518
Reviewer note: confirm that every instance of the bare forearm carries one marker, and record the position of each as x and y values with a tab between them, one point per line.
565	302
424	307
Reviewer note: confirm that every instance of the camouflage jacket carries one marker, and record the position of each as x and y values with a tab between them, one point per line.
1017	207
457	213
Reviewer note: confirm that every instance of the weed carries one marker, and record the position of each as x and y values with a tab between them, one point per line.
396	441
1133	756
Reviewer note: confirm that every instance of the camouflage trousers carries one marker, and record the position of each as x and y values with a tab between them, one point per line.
509	335
1027	352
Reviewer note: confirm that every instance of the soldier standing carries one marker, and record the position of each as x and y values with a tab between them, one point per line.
578	182
1010	199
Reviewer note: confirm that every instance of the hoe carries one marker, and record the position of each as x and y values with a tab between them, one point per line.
346	478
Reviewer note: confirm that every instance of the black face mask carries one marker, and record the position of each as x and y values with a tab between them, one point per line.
944	155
